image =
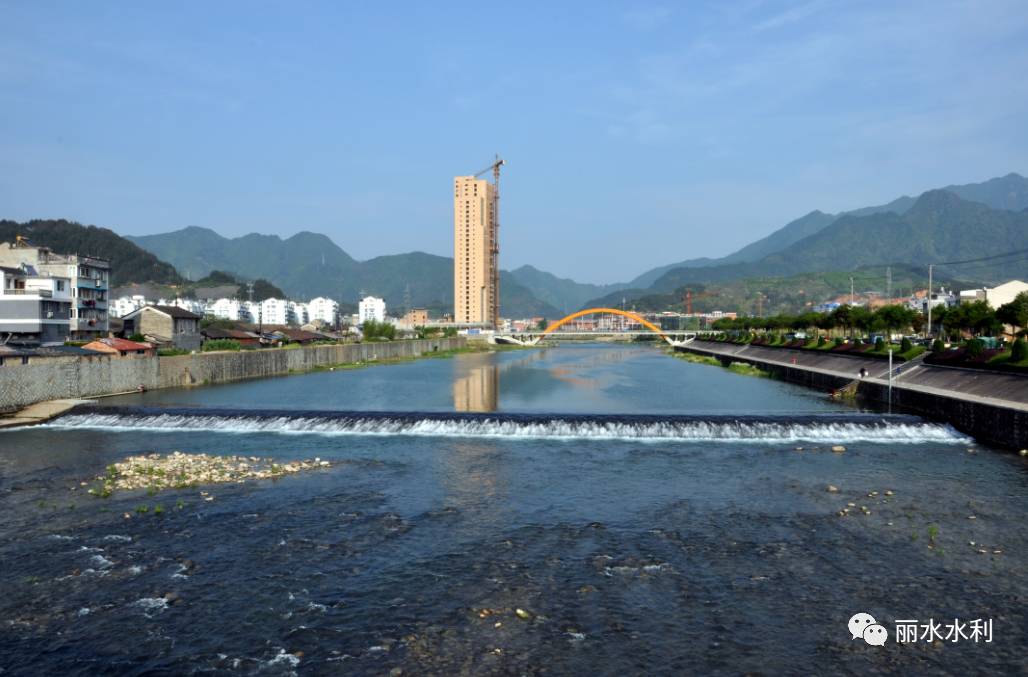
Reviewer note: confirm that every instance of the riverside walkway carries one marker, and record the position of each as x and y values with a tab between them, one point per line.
992	405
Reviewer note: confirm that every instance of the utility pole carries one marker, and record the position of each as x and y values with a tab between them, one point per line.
929	334
851	290
888	282
890	378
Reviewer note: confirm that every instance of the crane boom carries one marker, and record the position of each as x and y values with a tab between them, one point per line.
494	236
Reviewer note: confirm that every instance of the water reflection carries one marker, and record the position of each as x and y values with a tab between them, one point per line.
478	389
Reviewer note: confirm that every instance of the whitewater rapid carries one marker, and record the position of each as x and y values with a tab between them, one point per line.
824	428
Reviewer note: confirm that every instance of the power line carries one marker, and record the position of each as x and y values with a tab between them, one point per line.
984	258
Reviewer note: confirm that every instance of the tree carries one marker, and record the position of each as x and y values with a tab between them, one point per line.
1015	313
977	318
863	319
541	325
894	317
378	330
1019	351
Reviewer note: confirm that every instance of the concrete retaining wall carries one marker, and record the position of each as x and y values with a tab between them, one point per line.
63	378
953	396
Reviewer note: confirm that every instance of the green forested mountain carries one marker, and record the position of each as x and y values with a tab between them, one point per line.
940	227
562	293
129	262
1008	192
308	264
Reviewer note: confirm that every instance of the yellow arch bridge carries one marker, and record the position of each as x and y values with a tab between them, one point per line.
530	338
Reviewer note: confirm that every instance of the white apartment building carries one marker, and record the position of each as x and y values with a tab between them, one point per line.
123	305
230	309
371	308
325	310
252	310
276	311
299	312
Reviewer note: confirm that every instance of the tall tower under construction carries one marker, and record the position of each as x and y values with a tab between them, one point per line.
476	274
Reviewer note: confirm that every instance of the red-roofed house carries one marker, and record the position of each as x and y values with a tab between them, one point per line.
120	347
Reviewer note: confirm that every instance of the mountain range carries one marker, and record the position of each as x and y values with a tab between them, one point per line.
953	223
1007	193
310	264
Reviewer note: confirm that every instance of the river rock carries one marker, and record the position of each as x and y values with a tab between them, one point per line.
832	489
1023	452
522	614
838	448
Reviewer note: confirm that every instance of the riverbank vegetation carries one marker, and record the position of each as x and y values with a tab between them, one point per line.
742	368
971	334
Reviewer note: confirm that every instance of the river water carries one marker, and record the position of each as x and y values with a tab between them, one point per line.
647	515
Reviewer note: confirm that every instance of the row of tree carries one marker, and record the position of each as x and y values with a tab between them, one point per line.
977	318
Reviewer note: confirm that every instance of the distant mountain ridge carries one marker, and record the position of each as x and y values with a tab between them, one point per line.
938	227
1008	192
310	264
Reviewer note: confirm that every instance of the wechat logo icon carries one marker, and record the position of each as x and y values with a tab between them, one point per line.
863	626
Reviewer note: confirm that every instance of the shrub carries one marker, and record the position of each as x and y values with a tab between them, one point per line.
1019	351
905	345
137	337
938	346
879	344
220	344
838	341
974	348
171	352
821	340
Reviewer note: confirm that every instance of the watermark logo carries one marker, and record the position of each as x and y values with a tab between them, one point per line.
863	626
910	631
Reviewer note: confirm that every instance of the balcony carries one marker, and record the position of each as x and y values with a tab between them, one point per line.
42	293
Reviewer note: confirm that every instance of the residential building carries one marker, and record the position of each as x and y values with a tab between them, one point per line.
229	309
276	311
120	347
415	317
89	278
371	308
169	325
35	309
122	306
995	296
323	310
299	312
245	338
475	275
942	298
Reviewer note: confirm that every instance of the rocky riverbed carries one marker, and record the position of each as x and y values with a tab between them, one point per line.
178	470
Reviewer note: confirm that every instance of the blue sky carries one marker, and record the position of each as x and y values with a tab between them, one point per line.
636	134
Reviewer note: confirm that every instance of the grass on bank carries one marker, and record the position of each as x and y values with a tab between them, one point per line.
437	354
741	368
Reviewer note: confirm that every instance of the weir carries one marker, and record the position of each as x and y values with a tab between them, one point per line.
823	428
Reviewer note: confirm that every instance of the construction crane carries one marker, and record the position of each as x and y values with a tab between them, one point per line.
494	235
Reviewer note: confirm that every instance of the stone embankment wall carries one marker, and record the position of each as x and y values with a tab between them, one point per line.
68	378
990	406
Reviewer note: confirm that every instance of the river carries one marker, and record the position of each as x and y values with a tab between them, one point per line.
646	515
